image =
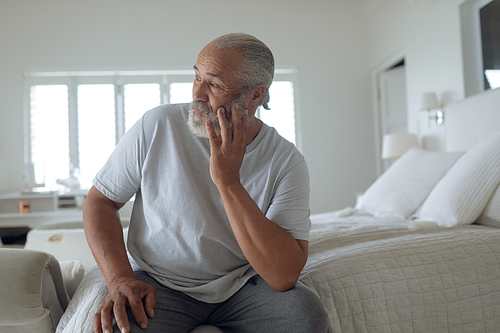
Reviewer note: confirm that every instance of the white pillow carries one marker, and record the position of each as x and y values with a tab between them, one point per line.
73	273
404	186
464	191
491	213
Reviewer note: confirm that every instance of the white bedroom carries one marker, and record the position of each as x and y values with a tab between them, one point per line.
386	251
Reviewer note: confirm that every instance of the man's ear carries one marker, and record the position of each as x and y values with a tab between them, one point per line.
255	96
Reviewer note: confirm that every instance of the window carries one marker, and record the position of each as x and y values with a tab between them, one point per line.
49	128
138	98
282	113
96	128
76	119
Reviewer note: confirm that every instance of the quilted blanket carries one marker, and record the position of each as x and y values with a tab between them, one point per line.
79	315
376	275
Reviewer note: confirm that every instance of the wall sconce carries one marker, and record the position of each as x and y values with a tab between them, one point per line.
430	103
396	144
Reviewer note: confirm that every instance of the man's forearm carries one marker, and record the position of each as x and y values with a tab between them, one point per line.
104	234
271	250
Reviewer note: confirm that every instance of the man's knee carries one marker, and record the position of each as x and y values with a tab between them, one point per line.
306	310
259	308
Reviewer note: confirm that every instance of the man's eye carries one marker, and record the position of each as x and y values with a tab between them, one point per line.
214	85
197	78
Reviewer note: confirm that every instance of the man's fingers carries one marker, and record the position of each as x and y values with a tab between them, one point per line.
225	129
235	118
150	303
97	322
212	136
121	317
235	115
138	310
104	318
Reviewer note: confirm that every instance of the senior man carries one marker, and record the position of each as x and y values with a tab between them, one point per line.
220	225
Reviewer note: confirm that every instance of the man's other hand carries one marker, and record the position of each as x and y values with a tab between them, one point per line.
140	297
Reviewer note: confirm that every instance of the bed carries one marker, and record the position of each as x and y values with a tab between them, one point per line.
419	252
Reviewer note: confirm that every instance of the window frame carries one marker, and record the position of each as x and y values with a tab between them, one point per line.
118	79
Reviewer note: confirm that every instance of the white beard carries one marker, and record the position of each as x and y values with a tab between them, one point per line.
197	124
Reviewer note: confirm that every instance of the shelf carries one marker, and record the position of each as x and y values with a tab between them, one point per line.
67	209
25	203
32	220
33	209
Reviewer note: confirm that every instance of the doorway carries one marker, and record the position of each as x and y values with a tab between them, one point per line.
390	109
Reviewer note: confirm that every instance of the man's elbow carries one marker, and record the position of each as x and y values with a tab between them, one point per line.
284	284
287	278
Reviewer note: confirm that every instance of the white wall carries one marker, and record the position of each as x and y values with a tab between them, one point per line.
325	40
427	33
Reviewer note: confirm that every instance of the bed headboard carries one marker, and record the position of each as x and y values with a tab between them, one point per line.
469	121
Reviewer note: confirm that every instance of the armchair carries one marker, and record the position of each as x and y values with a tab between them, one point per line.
32	293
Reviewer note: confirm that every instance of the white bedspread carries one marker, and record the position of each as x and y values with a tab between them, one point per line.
376	275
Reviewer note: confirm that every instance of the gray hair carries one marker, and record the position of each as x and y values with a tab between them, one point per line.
258	61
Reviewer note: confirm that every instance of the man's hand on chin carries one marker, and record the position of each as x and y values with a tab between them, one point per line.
228	149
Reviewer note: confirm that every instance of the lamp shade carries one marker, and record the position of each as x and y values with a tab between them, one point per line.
396	144
429	101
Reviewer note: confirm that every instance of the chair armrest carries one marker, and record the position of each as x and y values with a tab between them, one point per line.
31	288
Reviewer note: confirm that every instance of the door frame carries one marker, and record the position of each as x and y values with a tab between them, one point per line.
389	62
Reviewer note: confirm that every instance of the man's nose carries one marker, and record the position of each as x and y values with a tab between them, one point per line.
199	93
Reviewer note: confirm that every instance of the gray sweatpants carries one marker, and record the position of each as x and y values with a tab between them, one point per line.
255	308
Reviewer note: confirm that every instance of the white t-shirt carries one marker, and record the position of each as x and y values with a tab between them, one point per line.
179	231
